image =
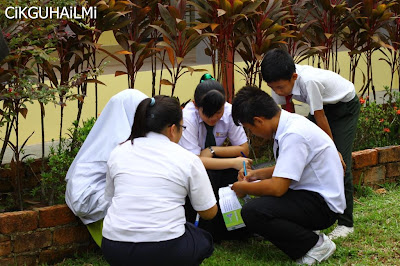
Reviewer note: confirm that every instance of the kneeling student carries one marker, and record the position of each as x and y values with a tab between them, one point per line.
303	192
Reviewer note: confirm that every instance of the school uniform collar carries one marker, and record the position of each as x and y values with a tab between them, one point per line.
298	84
192	107
282	124
201	120
157	136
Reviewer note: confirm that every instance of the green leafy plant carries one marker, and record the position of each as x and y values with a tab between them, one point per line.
20	86
52	183
378	125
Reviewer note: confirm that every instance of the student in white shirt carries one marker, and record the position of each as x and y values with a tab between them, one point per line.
303	192
209	123
334	107
148	179
86	177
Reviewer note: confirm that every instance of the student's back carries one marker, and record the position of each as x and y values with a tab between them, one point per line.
160	173
316	152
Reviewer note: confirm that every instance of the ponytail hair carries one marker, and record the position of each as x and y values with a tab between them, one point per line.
209	95
154	115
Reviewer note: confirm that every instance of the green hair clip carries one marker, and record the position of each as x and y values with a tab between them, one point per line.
206	76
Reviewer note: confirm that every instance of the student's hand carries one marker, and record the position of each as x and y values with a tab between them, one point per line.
237	187
206	153
250	177
343	163
237	163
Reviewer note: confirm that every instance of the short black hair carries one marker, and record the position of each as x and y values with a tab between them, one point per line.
277	65
209	95
250	102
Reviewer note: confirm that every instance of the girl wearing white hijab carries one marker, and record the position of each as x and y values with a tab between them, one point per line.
86	177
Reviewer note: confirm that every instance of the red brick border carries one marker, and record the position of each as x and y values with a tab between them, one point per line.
44	235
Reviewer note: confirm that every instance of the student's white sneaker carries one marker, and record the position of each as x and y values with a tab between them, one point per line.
341	231
318	254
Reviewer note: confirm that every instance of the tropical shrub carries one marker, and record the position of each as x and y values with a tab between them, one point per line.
378	125
51	188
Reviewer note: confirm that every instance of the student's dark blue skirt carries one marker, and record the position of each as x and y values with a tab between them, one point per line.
191	248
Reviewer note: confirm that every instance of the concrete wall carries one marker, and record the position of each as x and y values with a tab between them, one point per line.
185	89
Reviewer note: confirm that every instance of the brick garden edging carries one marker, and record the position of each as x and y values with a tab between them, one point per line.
50	234
42	235
376	166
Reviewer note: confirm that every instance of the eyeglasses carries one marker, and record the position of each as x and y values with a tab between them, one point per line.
182	126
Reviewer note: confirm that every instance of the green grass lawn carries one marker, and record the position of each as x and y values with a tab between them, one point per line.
376	240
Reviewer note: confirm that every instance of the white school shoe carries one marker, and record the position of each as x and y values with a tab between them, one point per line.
318	254
341	231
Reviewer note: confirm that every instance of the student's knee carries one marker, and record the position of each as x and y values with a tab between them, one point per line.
249	214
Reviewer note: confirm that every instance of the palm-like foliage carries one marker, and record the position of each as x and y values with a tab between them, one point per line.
179	38
391	51
132	31
329	18
297	25
223	17
261	32
374	16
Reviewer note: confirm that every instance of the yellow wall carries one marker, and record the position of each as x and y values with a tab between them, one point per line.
184	91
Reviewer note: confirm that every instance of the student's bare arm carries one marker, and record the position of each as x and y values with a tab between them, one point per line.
210	213
322	122
259	174
227	152
224	163
275	186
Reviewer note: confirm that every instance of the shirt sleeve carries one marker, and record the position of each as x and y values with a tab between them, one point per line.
200	190
293	156
237	136
189	139
278	99
109	190
314	91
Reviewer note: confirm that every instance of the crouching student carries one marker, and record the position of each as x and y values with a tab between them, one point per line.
86	177
209	123
303	192
148	179
334	107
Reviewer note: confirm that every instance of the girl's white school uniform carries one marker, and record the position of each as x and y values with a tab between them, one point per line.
147	183
193	138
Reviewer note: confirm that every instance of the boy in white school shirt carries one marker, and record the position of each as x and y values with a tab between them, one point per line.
334	107
303	192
